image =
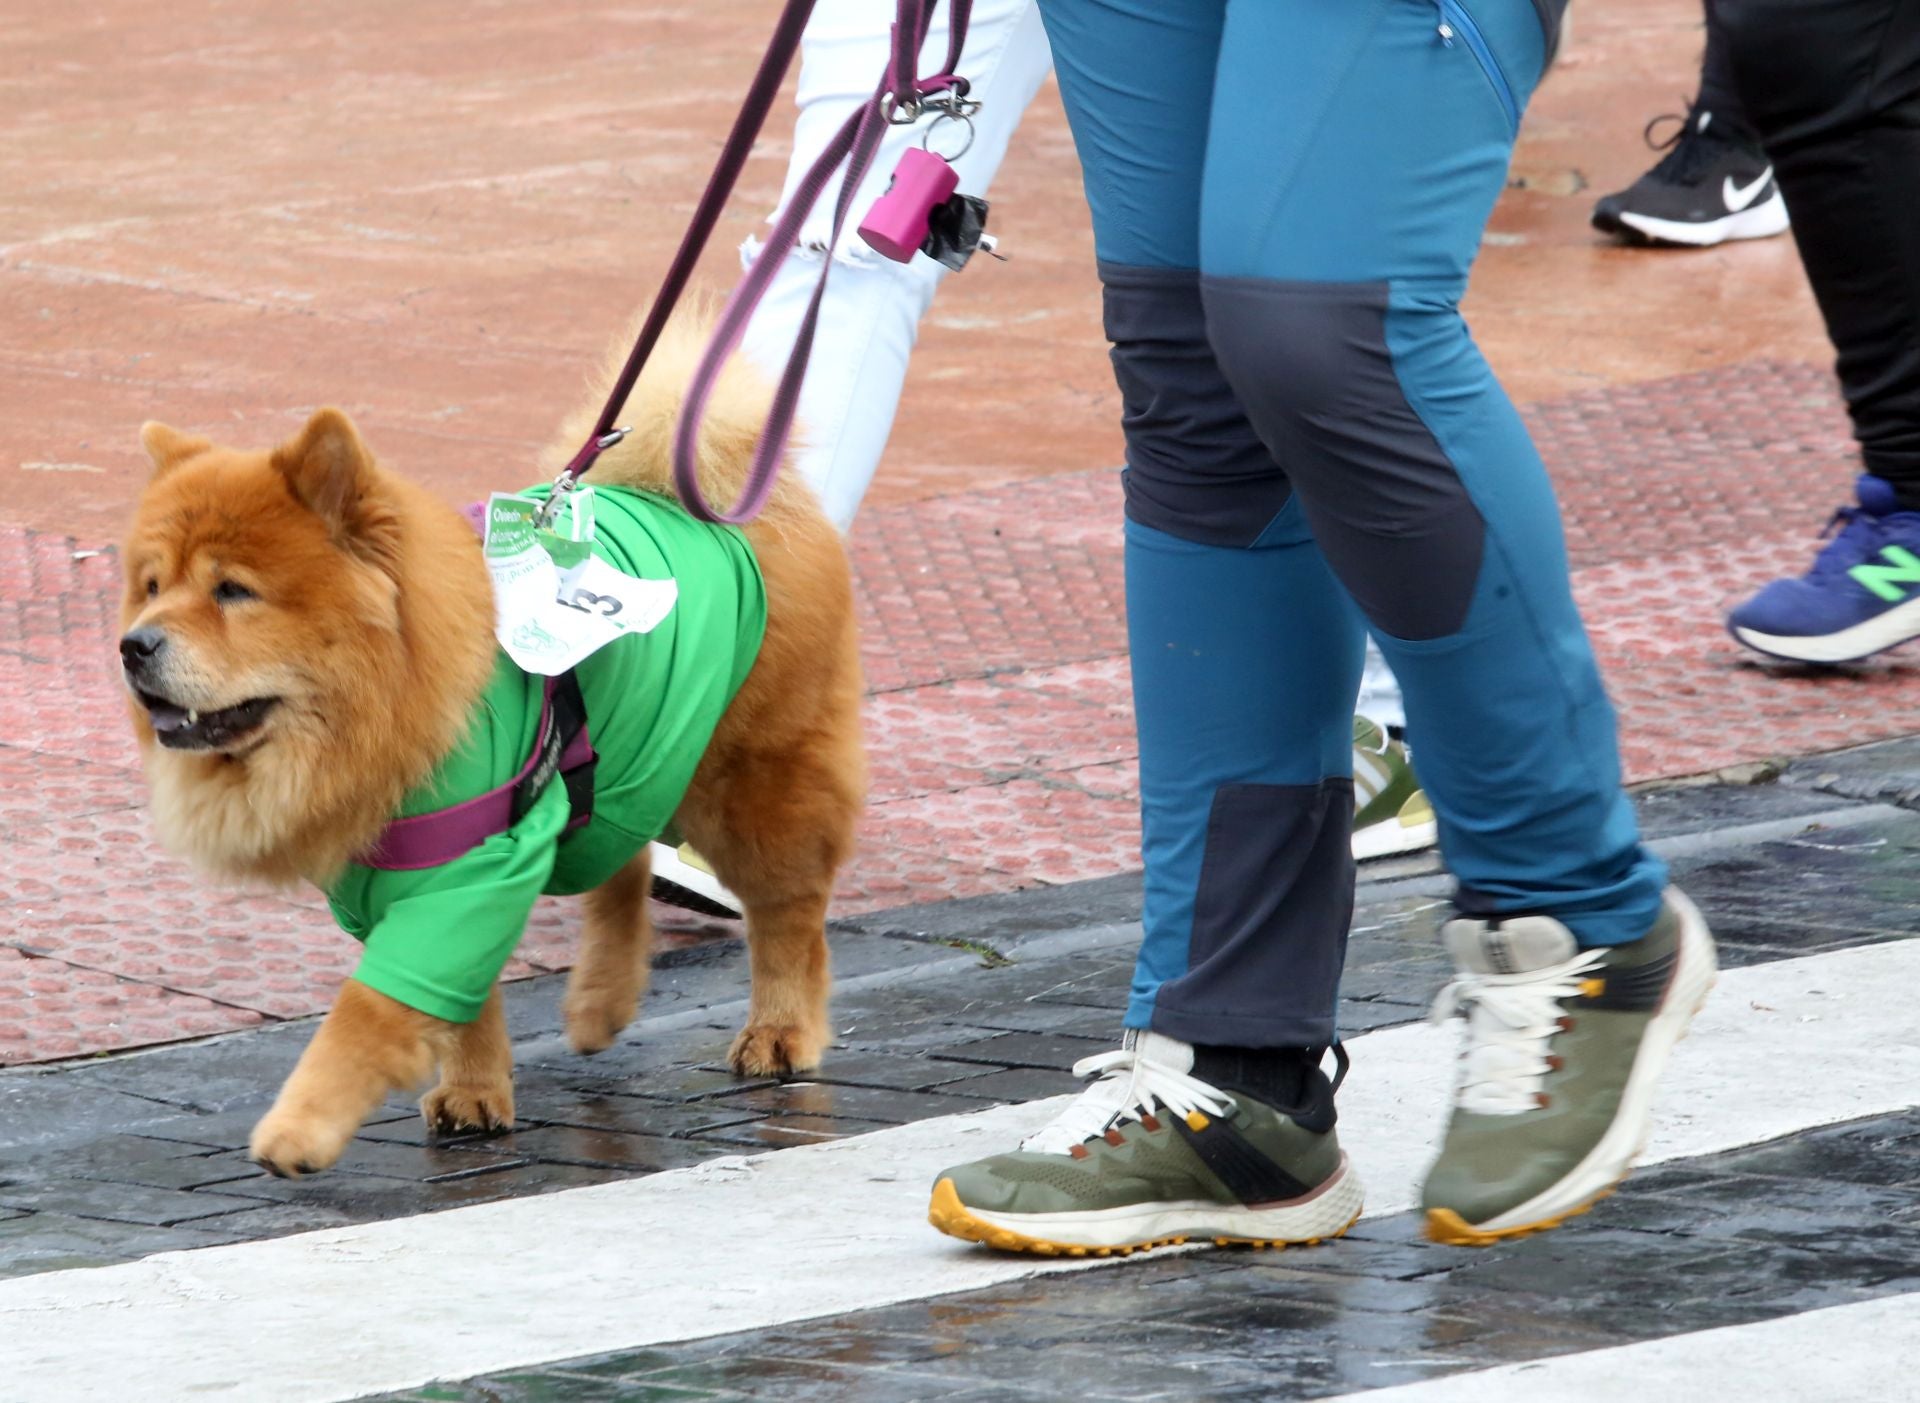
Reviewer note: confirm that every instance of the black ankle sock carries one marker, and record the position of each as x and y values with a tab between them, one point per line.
1286	1078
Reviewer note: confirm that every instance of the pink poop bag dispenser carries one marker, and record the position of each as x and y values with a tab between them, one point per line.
898	222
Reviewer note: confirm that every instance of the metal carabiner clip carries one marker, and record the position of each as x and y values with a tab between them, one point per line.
564	484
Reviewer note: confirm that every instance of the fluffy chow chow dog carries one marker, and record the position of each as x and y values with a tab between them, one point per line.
309	656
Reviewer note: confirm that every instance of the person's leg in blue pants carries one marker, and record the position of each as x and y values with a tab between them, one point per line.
1334	251
1287	196
1245	650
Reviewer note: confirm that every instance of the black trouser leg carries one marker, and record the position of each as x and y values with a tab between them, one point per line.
1719	94
1834	90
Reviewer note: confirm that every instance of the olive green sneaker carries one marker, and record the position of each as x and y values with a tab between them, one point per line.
1150	1154
1390	813
1564	1048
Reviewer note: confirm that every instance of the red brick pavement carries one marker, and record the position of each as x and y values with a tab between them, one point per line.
434	214
999	720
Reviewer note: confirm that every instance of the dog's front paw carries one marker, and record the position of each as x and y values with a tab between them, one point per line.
288	1144
462	1110
774	1049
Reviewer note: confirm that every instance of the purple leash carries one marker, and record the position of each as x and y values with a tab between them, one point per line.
898	98
563	747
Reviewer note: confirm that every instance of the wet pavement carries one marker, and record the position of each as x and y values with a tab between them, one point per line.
1824	1220
939	1010
948	1009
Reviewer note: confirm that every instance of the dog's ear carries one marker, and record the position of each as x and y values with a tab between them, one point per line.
330	472
168	447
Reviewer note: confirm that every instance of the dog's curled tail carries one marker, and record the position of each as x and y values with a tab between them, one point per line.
735	413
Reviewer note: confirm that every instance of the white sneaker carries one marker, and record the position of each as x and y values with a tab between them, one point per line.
682	878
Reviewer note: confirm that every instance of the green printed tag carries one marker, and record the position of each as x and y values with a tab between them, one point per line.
510	524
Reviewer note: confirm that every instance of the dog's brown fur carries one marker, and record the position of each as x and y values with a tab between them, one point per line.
374	628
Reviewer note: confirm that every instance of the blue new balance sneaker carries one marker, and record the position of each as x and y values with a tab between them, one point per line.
1861	596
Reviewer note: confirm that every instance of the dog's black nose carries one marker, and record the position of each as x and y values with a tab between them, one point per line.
137	648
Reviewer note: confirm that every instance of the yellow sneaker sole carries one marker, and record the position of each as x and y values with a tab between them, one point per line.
1446	1226
950	1216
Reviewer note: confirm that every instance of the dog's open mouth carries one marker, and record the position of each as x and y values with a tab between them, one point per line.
181	728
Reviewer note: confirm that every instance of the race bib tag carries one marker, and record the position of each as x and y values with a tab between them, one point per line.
555	603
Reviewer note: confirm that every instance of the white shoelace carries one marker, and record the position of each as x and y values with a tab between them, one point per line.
1126	1087
1510	1017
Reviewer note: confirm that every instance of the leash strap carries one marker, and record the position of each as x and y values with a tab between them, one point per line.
898	98
562	746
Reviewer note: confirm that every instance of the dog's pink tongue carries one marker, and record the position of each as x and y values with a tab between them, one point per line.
167	718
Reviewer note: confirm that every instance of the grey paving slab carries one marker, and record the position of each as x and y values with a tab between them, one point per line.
49	1241
179	1172
1696	808
48	1110
696	1082
891	1071
597	1146
1888	773
784	1132
636	1115
365	1198
824	1098
1820	889
1015	1084
1034	1017
197	1132
217	1075
1043	1050
1010	917
129	1203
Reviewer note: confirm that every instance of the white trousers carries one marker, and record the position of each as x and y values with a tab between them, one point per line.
870	315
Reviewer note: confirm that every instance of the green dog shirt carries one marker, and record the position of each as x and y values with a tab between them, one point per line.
437	939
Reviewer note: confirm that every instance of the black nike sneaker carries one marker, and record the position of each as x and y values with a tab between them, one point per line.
1709	187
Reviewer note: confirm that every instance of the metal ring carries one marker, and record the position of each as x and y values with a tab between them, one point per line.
900	114
926	137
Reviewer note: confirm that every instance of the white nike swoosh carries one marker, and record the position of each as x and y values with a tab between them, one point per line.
1738	197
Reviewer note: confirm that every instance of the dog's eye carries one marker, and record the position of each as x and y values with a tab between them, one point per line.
153	588
227	592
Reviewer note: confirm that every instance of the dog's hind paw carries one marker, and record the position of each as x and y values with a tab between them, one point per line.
463	1110
774	1049
595	1020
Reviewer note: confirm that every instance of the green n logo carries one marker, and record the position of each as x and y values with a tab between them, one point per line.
1884	580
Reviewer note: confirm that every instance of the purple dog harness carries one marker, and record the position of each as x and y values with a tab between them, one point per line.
561	747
